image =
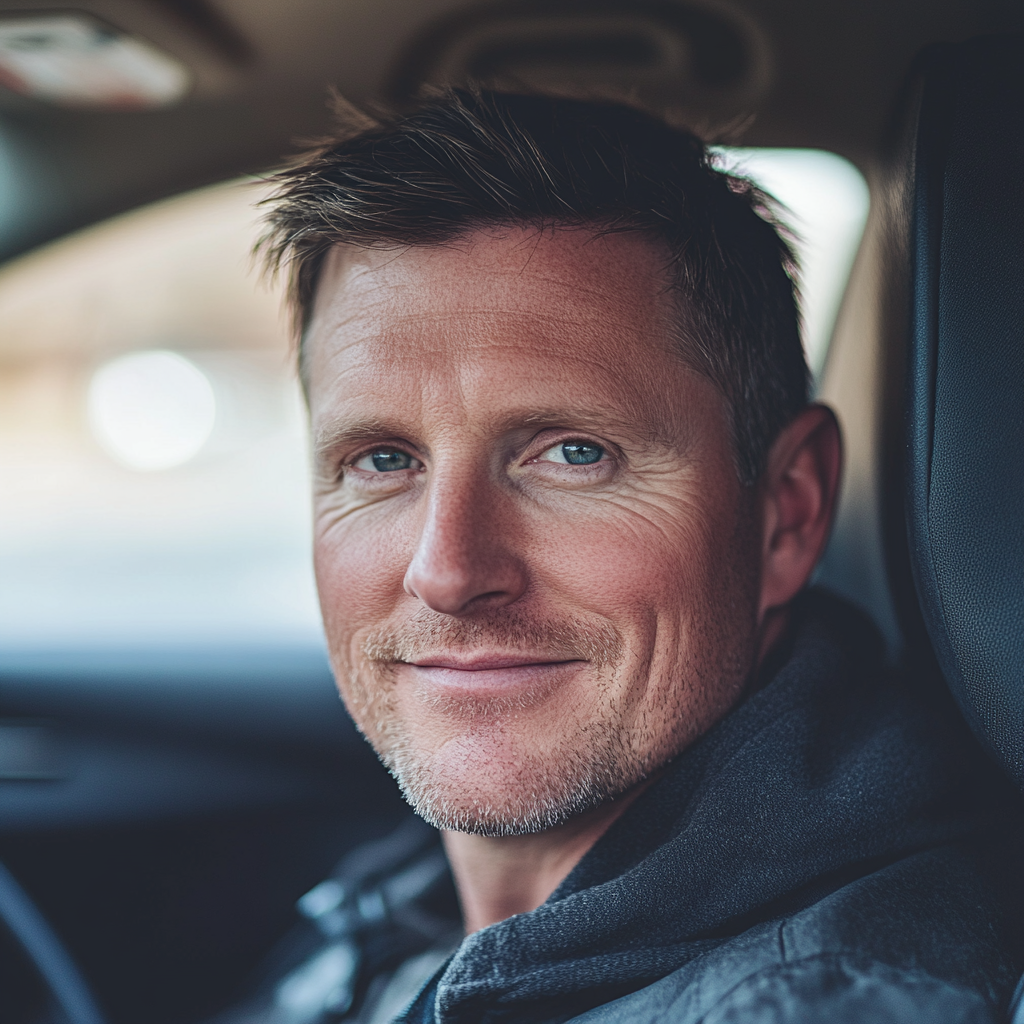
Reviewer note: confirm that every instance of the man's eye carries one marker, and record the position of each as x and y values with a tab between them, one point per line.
387	460
574	453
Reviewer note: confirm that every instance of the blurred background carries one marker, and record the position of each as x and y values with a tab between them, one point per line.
152	463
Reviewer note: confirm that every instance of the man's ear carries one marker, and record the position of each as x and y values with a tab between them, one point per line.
797	495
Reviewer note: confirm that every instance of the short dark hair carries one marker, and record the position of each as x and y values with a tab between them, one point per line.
467	159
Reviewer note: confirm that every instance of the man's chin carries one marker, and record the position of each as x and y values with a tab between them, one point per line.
525	798
452	813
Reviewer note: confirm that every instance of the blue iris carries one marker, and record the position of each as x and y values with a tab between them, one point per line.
389	460
582	454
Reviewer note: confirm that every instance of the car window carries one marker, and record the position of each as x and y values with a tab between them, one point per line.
153	469
825	202
151	440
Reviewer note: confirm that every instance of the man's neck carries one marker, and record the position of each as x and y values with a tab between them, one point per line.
498	876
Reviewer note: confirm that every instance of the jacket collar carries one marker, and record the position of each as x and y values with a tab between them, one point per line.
790	796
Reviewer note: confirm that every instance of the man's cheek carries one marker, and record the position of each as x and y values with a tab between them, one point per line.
359	578
621	564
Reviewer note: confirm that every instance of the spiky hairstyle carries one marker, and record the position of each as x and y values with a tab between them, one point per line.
469	159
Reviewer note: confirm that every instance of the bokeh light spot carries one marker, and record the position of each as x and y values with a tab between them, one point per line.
151	410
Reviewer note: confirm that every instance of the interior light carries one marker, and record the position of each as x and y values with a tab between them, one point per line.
73	60
151	410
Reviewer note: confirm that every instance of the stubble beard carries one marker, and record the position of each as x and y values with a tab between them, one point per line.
594	761
602	755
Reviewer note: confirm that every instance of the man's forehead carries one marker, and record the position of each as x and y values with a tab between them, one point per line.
527	308
574	272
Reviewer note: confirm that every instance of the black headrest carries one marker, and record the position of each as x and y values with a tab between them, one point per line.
964	471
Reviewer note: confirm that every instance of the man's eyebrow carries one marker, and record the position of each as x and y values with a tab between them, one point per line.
565	414
600	421
339	435
332	436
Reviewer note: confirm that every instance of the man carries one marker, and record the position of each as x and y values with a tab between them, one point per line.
569	494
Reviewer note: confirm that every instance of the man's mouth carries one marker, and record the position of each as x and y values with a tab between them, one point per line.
483	672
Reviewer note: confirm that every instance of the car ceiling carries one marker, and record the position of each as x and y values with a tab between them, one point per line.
826	77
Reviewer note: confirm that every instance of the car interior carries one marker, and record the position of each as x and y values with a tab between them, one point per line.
176	769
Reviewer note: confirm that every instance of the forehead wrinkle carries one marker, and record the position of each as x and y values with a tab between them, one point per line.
462	335
561	297
380	325
361	274
456	353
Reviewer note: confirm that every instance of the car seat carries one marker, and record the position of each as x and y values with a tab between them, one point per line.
954	202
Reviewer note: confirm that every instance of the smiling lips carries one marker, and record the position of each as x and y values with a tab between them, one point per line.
487	672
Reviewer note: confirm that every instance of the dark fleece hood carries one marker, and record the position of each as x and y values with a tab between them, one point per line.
830	771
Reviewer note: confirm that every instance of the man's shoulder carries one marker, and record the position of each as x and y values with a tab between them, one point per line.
922	939
828	987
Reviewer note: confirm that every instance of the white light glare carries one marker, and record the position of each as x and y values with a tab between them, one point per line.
827	205
75	61
151	410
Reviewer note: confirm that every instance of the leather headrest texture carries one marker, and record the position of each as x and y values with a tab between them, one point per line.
964	478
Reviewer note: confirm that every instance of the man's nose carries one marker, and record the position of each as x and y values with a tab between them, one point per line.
465	560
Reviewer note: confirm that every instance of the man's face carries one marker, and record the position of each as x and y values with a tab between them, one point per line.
537	567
